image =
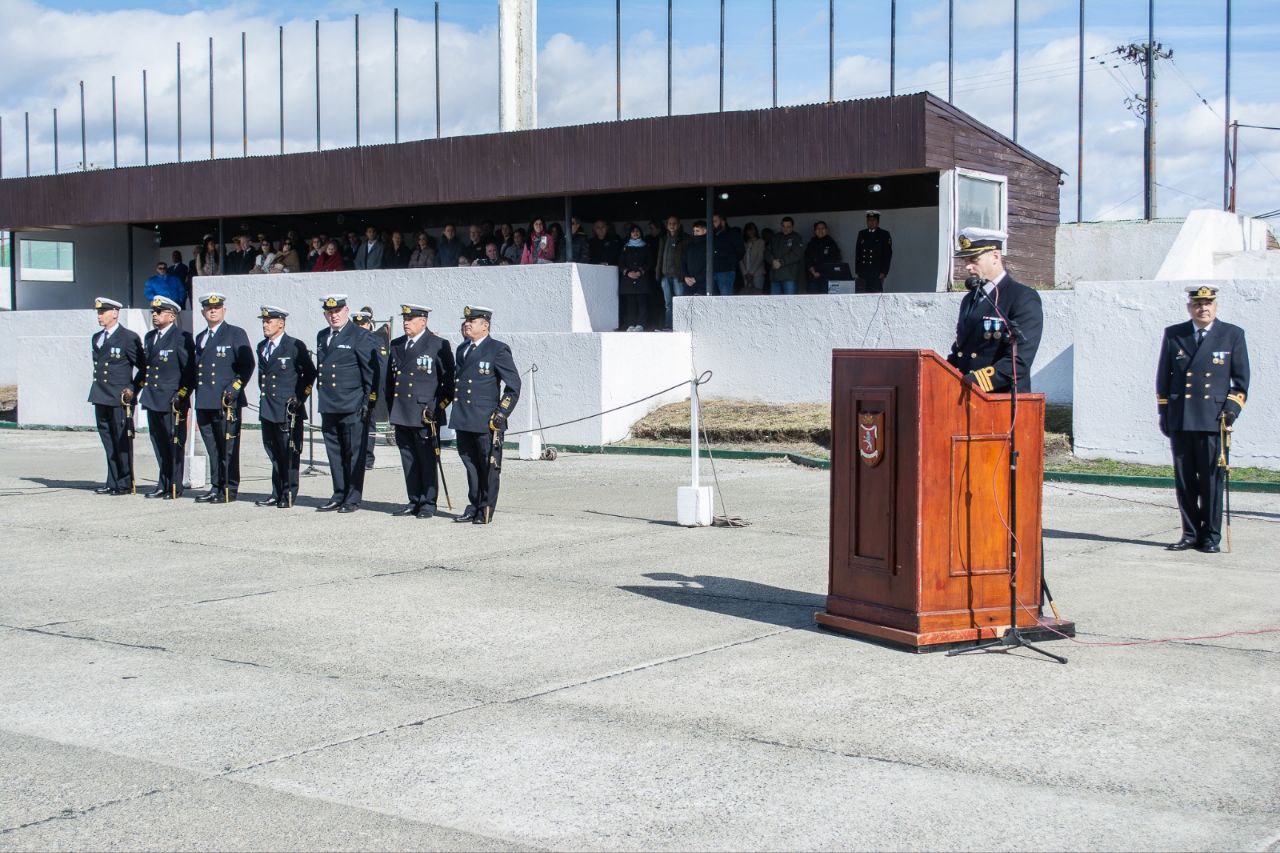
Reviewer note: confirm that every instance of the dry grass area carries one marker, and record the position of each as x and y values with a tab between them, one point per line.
8	400
739	421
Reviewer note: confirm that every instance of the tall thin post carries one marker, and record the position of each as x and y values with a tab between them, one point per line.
84	150
1235	159
317	85
1227	159
1016	29
773	46
1080	118
1149	146
115	138
244	100
146	125
669	2
893	47
437	58
617	57
282	88
395	73
721	55
210	97
2	153
695	450
951	51
710	213
55	140
179	92
831	50
357	79
26	131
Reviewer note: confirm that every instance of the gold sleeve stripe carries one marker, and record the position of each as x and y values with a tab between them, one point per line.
1238	398
983	376
1162	401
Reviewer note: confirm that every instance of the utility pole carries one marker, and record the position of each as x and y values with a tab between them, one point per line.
1144	107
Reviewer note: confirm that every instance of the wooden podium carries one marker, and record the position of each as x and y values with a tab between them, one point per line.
920	501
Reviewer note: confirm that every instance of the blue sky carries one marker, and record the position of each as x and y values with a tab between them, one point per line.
55	43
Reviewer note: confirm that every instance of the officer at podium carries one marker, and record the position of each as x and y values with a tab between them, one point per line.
998	331
1202	381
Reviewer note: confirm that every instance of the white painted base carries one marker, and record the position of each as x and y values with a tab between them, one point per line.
693	506
197	472
530	446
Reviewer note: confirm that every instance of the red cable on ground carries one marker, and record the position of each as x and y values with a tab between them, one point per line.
1152	642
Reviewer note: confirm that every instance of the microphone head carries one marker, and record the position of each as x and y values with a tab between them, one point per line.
973	282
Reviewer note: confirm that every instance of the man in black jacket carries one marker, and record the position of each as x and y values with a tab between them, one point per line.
119	367
171	377
419	387
488	387
693	261
872	255
285	375
820	256
224	363
1202	380
347	362
998	331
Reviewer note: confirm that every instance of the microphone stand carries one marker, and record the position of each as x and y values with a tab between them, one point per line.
1012	638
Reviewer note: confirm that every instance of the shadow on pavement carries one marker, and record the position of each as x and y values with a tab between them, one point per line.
1097	537
744	599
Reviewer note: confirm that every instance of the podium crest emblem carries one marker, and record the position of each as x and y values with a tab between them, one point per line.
871	437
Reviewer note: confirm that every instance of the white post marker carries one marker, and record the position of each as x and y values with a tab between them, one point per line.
693	502
531	442
196	473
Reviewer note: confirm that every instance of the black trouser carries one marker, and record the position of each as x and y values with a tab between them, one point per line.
634	309
869	283
418	458
170	455
115	441
475	449
815	285
224	456
1199	482
346	437
284	461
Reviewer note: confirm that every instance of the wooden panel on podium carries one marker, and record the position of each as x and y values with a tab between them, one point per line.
920	501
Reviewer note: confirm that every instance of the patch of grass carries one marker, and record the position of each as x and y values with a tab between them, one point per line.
741	421
1112	467
8	402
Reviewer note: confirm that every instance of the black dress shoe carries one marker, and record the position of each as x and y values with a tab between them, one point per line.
156	493
207	497
1209	548
1182	545
103	490
329	506
119	492
483	517
271	501
345	508
426	512
405	510
468	514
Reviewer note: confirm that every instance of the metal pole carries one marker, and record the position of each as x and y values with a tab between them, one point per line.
893	46
694	449
210	97
1228	160
951	50
1016	27
1148	149
115	139
146	126
721	55
395	66
179	90
317	85
437	69
2	152
831	50
617	57
773	46
282	88
1080	119
244	100
357	79
669	57
84	150
55	140
1235	156
26	130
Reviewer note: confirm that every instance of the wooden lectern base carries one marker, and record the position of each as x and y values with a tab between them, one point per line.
936	641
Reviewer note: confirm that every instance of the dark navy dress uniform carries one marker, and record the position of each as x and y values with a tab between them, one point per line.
872	255
364	318
487	384
419	387
224	365
991	326
285	376
347	388
118	364
171	377
1200	380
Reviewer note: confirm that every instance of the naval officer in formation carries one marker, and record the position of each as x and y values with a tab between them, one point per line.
347	362
419	387
224	364
488	387
998	331
1202	381
285	376
119	366
166	393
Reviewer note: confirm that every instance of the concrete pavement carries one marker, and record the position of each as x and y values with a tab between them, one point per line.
585	674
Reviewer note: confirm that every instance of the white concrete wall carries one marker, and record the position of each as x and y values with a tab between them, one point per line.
533	298
1205	234
778	348
1112	251
1251	264
101	267
1115	394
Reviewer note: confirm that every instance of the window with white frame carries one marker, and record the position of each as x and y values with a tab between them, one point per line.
46	260
981	201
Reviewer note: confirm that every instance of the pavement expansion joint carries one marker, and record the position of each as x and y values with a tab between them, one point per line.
87	638
72	814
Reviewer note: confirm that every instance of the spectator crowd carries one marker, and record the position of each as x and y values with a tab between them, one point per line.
656	262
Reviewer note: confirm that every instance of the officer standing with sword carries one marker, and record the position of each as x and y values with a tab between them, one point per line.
419	387
171	377
119	366
488	387
285	376
224	364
